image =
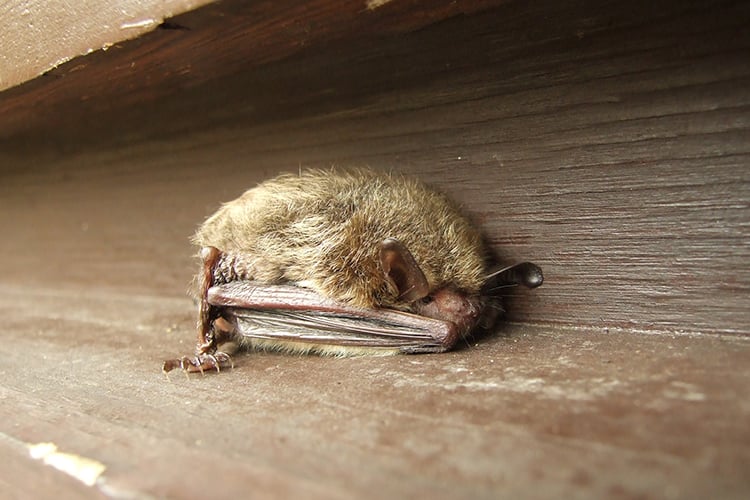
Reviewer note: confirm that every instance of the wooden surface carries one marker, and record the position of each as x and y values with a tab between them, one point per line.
530	413
209	45
608	142
610	148
39	35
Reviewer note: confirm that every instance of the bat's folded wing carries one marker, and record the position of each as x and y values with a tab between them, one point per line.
290	313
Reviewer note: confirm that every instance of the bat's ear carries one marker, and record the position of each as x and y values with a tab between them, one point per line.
402	271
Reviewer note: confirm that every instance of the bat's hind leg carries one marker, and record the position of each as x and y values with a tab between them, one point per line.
207	357
213	330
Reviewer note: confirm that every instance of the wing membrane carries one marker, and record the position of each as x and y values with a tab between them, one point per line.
283	312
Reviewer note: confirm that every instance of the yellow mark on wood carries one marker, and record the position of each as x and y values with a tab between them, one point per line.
374	4
146	23
84	469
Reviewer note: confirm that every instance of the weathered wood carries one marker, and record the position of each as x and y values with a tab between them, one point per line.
607	142
535	413
612	148
208	45
39	35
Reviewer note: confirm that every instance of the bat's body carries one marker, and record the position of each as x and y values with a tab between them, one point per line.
337	263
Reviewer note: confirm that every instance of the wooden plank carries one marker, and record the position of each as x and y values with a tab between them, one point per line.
611	148
528	413
39	35
190	49
607	142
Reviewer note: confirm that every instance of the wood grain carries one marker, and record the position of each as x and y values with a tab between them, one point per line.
611	148
537	412
209	45
39	35
606	141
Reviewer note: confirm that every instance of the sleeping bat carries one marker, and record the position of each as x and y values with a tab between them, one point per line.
341	262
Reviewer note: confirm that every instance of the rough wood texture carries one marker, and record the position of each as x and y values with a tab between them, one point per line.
38	35
533	414
612	148
606	141
211	44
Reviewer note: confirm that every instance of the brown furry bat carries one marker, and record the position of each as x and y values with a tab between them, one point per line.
341	263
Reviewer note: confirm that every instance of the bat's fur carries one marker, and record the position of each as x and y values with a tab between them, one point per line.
322	229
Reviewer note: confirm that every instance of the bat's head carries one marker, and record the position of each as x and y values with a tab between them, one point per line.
413	289
447	302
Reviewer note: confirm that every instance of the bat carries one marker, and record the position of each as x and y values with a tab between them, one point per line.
341	263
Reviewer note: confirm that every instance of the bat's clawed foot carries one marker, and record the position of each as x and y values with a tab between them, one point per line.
199	363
